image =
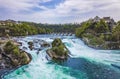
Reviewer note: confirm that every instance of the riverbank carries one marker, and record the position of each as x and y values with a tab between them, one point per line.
11	56
100	34
103	46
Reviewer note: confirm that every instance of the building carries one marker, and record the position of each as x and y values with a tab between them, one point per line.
2	23
107	19
110	21
96	19
8	22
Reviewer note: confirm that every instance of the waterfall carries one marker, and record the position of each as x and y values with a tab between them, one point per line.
41	68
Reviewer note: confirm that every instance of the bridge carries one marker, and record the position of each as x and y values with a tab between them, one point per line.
63	34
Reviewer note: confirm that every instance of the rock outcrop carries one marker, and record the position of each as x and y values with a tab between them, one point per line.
45	44
12	57
58	50
31	46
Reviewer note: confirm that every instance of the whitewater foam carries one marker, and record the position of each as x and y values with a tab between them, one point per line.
40	69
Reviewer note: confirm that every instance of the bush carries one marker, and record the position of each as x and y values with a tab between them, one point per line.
56	42
16	52
18	57
96	41
12	49
23	58
9	47
59	48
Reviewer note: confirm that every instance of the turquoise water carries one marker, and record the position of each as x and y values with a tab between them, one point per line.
84	62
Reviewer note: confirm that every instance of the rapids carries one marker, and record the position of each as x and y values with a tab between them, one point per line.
84	62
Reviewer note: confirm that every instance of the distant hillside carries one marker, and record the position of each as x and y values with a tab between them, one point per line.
21	28
100	33
18	28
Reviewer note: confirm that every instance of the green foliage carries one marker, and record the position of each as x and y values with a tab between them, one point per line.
23	58
93	28
9	43
16	52
23	29
97	33
101	36
56	42
96	41
17	56
88	35
101	27
59	48
60	27
78	32
9	47
82	28
116	33
30	28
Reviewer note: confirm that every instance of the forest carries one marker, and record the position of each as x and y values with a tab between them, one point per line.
21	28
100	33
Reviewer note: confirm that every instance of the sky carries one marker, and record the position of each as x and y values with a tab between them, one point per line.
58	11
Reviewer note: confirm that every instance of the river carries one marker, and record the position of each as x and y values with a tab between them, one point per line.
84	62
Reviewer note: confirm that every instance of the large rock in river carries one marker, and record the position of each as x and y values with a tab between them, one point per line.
58	50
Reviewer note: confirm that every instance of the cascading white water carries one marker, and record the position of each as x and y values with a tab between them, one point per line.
79	49
40	69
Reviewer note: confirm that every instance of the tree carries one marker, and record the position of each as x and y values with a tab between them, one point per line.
101	27
116	33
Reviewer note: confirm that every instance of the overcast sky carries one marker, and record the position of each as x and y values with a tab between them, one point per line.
58	11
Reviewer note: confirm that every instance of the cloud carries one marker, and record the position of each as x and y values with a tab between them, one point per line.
15	6
65	12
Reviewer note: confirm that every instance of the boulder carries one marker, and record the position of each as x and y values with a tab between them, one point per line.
31	46
24	48
58	50
45	44
14	57
53	55
25	58
30	43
